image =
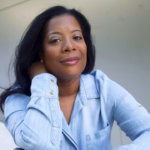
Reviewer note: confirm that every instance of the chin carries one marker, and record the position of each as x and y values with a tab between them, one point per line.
69	75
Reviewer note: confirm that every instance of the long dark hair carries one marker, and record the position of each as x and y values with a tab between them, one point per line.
30	45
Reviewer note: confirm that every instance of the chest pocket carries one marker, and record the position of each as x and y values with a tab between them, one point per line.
99	140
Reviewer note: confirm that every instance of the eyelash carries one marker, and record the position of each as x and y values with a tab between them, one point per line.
54	41
77	37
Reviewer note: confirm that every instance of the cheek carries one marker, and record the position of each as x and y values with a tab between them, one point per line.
49	58
50	53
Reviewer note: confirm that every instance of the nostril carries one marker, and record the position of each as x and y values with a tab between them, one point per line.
66	50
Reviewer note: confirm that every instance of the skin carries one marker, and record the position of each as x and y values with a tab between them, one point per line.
64	56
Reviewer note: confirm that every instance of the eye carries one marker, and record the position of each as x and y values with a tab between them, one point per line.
77	37
54	41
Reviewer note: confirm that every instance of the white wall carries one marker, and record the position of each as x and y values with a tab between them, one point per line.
121	34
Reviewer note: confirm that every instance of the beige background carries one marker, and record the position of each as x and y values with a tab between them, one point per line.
121	33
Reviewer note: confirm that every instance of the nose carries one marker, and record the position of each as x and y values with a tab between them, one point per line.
68	45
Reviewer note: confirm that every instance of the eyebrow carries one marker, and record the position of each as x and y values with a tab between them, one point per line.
76	30
51	33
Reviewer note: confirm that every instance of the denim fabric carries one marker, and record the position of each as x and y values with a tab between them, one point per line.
37	122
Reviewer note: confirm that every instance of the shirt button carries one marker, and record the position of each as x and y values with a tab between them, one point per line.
52	80
52	93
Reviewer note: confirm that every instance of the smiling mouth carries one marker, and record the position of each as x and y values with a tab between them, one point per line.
70	61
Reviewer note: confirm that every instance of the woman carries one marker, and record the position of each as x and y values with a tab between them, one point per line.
57	102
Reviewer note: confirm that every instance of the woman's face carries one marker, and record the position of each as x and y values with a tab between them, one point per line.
64	48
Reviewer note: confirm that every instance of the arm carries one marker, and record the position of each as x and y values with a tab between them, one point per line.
35	122
134	120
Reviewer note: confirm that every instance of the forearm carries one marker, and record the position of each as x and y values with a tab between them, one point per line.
38	131
39	125
140	143
134	120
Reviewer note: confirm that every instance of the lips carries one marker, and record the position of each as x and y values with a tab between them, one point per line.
70	60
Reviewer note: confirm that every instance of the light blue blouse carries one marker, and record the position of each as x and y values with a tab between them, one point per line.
37	122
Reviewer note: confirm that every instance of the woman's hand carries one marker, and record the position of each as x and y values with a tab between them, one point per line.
36	68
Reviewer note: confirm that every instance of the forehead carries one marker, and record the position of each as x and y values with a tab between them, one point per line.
63	21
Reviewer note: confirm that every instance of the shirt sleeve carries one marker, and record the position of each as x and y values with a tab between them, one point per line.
133	119
35	122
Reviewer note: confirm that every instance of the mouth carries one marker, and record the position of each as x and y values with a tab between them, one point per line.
70	60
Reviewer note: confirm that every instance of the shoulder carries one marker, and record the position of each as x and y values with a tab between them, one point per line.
15	102
108	89
16	94
98	85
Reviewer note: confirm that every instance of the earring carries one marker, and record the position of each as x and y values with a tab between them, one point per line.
41	60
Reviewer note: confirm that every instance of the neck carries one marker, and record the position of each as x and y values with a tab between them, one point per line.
68	87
